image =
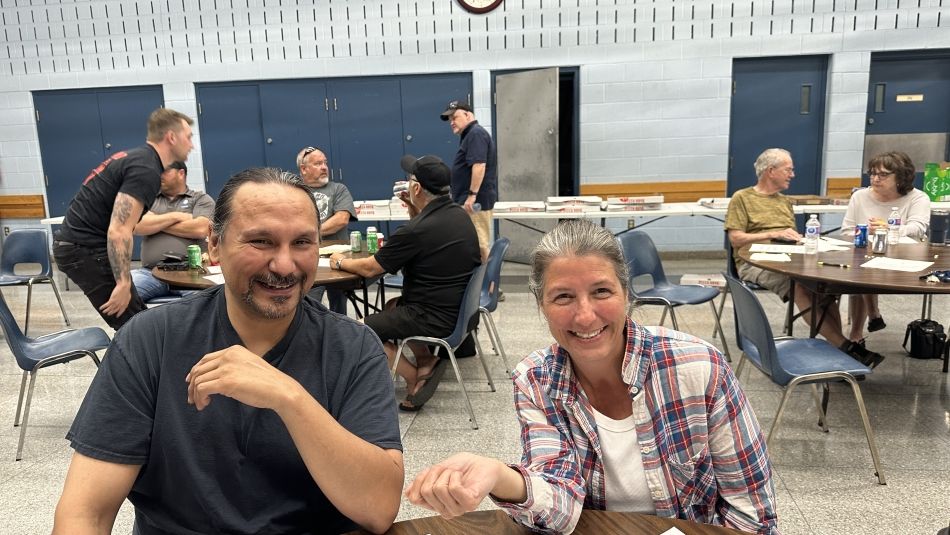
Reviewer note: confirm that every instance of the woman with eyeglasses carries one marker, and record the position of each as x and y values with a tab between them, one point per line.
892	185
614	415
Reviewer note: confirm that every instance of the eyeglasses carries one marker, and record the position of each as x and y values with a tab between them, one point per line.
879	174
307	151
786	170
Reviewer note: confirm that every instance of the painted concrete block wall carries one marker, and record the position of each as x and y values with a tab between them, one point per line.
654	77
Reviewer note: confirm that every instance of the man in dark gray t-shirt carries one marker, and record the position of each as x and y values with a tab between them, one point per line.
245	408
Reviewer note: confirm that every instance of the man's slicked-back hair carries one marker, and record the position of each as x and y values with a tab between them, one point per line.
224	207
162	120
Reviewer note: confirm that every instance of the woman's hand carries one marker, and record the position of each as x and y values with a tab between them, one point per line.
875	223
457	485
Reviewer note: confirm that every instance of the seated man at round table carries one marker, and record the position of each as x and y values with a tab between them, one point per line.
436	251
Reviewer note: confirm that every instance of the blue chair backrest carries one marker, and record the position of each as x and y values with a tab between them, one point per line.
753	332
492	287
15	337
469	306
26	246
641	256
731	258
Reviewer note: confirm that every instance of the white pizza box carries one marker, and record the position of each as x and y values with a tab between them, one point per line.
642	199
518	206
713	280
369	209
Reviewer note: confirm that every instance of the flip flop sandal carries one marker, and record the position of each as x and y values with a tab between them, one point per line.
423	394
876	324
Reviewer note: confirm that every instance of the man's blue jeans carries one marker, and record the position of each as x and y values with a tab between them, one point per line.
149	287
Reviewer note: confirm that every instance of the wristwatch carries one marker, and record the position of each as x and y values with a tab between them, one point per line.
339	264
471	193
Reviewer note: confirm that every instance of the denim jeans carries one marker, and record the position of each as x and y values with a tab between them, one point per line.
336	298
149	287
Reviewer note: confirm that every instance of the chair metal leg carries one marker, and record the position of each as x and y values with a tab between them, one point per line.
722	305
458	375
867	429
399	348
725	346
781	409
822	417
663	317
481	358
26	416
19	403
739	363
496	340
29	298
60	300
676	325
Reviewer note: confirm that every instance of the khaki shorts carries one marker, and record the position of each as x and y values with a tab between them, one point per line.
780	284
482	222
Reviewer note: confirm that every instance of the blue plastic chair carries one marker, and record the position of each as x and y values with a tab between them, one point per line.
32	354
789	362
28	246
387	281
642	259
491	289
469	307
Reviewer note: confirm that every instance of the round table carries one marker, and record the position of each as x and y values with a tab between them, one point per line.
592	522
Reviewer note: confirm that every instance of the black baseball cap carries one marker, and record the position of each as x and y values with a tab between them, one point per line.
430	171
454	106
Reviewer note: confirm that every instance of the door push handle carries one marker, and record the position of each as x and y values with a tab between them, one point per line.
341	174
270	140
870	120
409	137
331	174
108	145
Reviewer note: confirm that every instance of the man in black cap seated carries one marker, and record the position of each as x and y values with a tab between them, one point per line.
436	251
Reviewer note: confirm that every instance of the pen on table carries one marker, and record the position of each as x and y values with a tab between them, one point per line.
833	264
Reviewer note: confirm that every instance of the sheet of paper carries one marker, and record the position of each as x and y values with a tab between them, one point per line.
824	246
330	249
213	270
324	263
672	531
217	279
771	257
776	248
897	264
836	241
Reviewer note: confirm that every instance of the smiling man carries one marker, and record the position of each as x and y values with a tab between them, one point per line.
248	407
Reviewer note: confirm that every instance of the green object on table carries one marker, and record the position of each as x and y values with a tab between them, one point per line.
936	181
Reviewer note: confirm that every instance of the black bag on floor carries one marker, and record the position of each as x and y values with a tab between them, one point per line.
927	339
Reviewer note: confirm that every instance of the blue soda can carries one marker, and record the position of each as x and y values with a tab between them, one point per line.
861	236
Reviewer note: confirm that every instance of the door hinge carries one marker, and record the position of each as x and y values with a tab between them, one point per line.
46	180
199	108
334	104
37	115
733	87
731	162
326	104
206	176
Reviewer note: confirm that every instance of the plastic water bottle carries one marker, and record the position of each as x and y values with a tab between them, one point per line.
476	207
894	227
812	233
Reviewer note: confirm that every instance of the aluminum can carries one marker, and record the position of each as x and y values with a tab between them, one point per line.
356	239
372	244
879	246
194	256
861	236
380	240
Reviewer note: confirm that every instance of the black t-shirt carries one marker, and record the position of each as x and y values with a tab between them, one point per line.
230	468
136	172
436	251
475	146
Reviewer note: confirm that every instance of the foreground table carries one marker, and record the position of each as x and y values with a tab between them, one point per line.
592	522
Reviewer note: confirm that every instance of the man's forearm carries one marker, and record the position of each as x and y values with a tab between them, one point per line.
152	223
194	229
478	174
362	480
334	223
119	247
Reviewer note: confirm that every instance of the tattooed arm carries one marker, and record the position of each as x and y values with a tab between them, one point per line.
125	214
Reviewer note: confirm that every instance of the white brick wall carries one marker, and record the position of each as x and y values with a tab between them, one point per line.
654	80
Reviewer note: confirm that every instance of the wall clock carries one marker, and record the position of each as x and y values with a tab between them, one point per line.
479	6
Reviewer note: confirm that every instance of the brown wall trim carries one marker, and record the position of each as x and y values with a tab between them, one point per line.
689	191
841	187
22	206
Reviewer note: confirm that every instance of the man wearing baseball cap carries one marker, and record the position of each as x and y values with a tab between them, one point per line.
474	170
436	250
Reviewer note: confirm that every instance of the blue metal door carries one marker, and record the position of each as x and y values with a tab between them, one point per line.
294	115
778	102
423	99
79	128
366	121
229	120
909	106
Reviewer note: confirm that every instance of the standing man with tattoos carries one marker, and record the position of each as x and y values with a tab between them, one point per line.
94	245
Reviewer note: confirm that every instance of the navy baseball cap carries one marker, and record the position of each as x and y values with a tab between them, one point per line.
454	106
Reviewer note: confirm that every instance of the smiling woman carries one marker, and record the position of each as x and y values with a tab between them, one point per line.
614	415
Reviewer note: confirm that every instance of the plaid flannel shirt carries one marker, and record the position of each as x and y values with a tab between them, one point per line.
703	452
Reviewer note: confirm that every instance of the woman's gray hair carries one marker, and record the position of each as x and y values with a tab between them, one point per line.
770	158
576	237
224	208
